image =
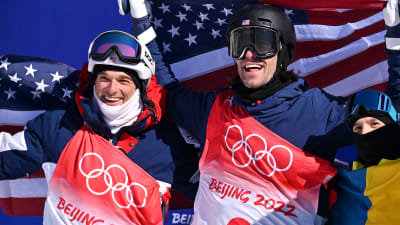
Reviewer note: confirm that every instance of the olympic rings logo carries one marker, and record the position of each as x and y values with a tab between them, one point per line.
108	181
255	156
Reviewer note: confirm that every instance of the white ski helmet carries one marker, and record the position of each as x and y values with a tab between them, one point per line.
121	49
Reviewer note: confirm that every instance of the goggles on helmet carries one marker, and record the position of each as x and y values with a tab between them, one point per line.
373	100
263	41
126	47
120	49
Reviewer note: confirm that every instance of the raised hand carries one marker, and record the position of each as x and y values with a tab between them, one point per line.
391	13
392	21
137	8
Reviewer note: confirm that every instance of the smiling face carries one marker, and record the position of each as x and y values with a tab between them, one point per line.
114	87
367	124
255	72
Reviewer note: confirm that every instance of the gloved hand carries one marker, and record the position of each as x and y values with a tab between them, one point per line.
391	13
137	8
392	21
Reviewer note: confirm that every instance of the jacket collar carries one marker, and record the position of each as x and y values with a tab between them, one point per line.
291	91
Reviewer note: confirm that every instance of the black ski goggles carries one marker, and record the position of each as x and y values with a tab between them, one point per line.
126	47
264	42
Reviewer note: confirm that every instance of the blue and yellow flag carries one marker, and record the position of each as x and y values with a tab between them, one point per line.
367	195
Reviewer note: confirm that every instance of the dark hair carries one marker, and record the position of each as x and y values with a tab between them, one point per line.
287	76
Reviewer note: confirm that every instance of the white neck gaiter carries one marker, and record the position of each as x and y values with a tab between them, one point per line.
123	115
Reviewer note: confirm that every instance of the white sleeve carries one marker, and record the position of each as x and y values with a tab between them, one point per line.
12	142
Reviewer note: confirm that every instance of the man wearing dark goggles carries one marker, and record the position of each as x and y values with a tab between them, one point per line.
262	43
261	39
255	51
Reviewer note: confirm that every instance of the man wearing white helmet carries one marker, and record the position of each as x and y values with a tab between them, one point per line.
108	156
130	55
119	51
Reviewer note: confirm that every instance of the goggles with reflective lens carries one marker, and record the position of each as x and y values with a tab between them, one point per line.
126	47
373	100
264	42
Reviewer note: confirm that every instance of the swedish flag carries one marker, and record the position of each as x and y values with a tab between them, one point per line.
367	195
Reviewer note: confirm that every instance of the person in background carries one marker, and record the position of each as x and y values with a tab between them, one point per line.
109	156
374	122
368	194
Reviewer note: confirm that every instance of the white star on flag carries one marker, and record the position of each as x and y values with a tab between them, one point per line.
181	17
41	86
56	77
209	6
203	17
187	7
215	33
198	25
157	23
164	8
30	70
14	78
4	64
166	47
67	92
226	11
36	94
191	39
174	31
10	94
220	22
289	12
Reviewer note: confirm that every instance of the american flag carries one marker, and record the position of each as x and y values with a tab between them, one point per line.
340	50
28	86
